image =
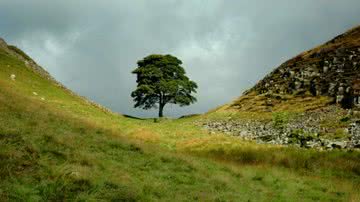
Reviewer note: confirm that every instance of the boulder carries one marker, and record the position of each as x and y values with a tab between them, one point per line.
338	145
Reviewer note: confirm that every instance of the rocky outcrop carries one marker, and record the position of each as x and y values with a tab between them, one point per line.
332	69
354	130
333	73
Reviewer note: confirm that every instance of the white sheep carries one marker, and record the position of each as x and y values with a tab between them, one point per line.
13	76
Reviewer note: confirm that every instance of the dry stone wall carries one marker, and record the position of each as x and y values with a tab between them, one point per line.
305	130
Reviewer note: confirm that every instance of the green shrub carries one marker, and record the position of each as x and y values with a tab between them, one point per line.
280	119
300	137
345	119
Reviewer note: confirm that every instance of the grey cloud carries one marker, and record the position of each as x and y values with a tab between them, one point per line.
226	46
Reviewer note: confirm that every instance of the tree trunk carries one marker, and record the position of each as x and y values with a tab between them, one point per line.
161	109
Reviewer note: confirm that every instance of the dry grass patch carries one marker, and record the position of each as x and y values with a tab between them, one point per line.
145	135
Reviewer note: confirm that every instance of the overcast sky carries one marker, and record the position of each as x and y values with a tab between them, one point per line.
226	46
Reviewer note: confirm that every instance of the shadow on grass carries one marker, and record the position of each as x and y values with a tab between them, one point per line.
134	117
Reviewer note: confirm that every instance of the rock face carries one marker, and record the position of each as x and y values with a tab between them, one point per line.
355	134
332	69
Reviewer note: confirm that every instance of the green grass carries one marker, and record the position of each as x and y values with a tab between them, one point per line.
64	148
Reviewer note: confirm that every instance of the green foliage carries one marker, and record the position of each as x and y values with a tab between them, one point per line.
341	134
300	137
280	119
345	119
338	133
160	80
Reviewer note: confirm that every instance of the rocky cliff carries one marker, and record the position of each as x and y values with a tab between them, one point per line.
331	70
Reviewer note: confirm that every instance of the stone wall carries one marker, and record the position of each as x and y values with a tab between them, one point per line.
304	130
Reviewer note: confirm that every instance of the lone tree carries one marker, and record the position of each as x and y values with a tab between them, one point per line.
162	80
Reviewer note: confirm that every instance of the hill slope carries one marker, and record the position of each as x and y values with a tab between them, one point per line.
330	70
57	146
303	102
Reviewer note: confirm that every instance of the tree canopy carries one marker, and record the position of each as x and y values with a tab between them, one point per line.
161	80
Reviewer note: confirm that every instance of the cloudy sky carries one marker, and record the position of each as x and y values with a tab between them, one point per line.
226	46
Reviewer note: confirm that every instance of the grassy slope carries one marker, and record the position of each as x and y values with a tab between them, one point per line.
65	148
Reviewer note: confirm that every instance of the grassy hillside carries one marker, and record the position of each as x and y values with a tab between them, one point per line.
311	80
56	146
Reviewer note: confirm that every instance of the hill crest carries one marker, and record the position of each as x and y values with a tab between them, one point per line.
37	69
